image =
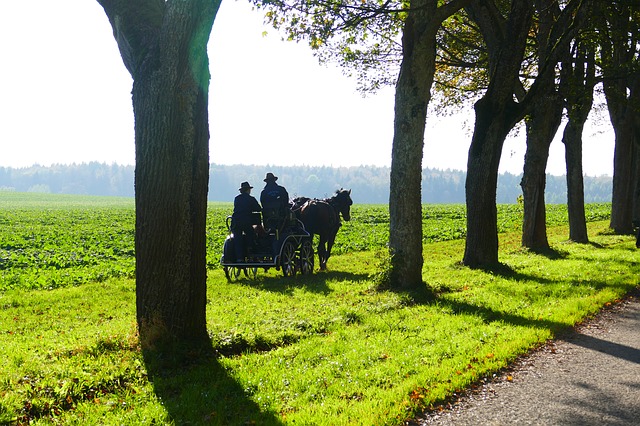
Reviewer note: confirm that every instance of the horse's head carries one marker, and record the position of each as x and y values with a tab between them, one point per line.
342	200
297	204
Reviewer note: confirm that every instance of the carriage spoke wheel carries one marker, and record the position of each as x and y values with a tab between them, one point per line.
251	272
288	259
306	257
232	273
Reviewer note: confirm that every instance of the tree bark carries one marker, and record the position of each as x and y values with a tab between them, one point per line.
496	114
623	173
542	126
636	193
619	31
164	47
577	80
572	139
493	123
411	101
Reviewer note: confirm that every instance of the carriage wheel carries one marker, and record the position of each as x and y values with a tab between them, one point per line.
232	273
251	273
306	257
288	259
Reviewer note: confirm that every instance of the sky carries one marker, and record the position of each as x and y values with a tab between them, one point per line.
65	97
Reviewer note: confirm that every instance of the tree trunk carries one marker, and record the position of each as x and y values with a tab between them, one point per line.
541	129
496	114
618	31
577	80
492	125
164	46
623	173
411	101
636	192
542	125
572	139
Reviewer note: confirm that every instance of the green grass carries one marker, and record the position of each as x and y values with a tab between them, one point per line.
325	349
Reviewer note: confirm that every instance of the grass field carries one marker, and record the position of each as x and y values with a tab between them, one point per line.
326	349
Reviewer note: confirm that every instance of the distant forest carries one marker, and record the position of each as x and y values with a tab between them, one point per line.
369	184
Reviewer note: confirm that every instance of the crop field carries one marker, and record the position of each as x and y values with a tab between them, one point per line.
330	348
48	242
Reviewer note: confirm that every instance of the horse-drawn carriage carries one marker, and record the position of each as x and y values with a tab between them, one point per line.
287	247
286	239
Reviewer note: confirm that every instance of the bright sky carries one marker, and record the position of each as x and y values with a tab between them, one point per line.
65	97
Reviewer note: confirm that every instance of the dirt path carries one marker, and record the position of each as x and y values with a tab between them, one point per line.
588	377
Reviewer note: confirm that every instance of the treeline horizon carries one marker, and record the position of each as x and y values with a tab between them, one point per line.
369	184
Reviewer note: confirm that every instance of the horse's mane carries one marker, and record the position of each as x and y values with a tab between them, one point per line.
341	194
333	201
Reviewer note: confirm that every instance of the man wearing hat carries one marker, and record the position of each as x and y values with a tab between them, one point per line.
244	207
275	201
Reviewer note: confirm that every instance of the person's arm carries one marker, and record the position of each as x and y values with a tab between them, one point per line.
256	206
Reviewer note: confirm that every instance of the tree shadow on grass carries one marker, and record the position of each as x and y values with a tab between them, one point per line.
314	283
491	315
196	389
505	271
550	253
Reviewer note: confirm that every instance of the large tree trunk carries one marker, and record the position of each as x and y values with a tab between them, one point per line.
618	29
496	114
572	139
636	193
577	80
493	123
164	46
623	173
542	126
411	101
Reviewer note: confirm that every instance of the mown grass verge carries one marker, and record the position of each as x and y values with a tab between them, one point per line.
325	349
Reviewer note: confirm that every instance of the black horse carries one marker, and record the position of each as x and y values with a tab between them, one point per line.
322	217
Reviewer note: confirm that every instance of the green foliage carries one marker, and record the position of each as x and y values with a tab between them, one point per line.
363	36
53	241
462	64
48	242
323	349
382	273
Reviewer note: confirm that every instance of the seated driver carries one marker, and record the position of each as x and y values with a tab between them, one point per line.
275	201
242	220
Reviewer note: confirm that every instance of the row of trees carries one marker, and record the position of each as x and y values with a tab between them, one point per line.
370	185
92	178
530	61
516	60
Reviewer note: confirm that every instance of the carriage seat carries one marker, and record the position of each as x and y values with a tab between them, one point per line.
275	216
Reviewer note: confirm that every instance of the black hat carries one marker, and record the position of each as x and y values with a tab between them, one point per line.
270	176
244	186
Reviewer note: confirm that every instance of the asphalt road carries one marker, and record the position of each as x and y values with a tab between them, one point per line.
587	377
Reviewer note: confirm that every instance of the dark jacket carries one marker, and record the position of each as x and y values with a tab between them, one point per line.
274	195
244	205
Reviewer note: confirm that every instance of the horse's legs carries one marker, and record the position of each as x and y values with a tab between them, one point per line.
322	253
330	241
